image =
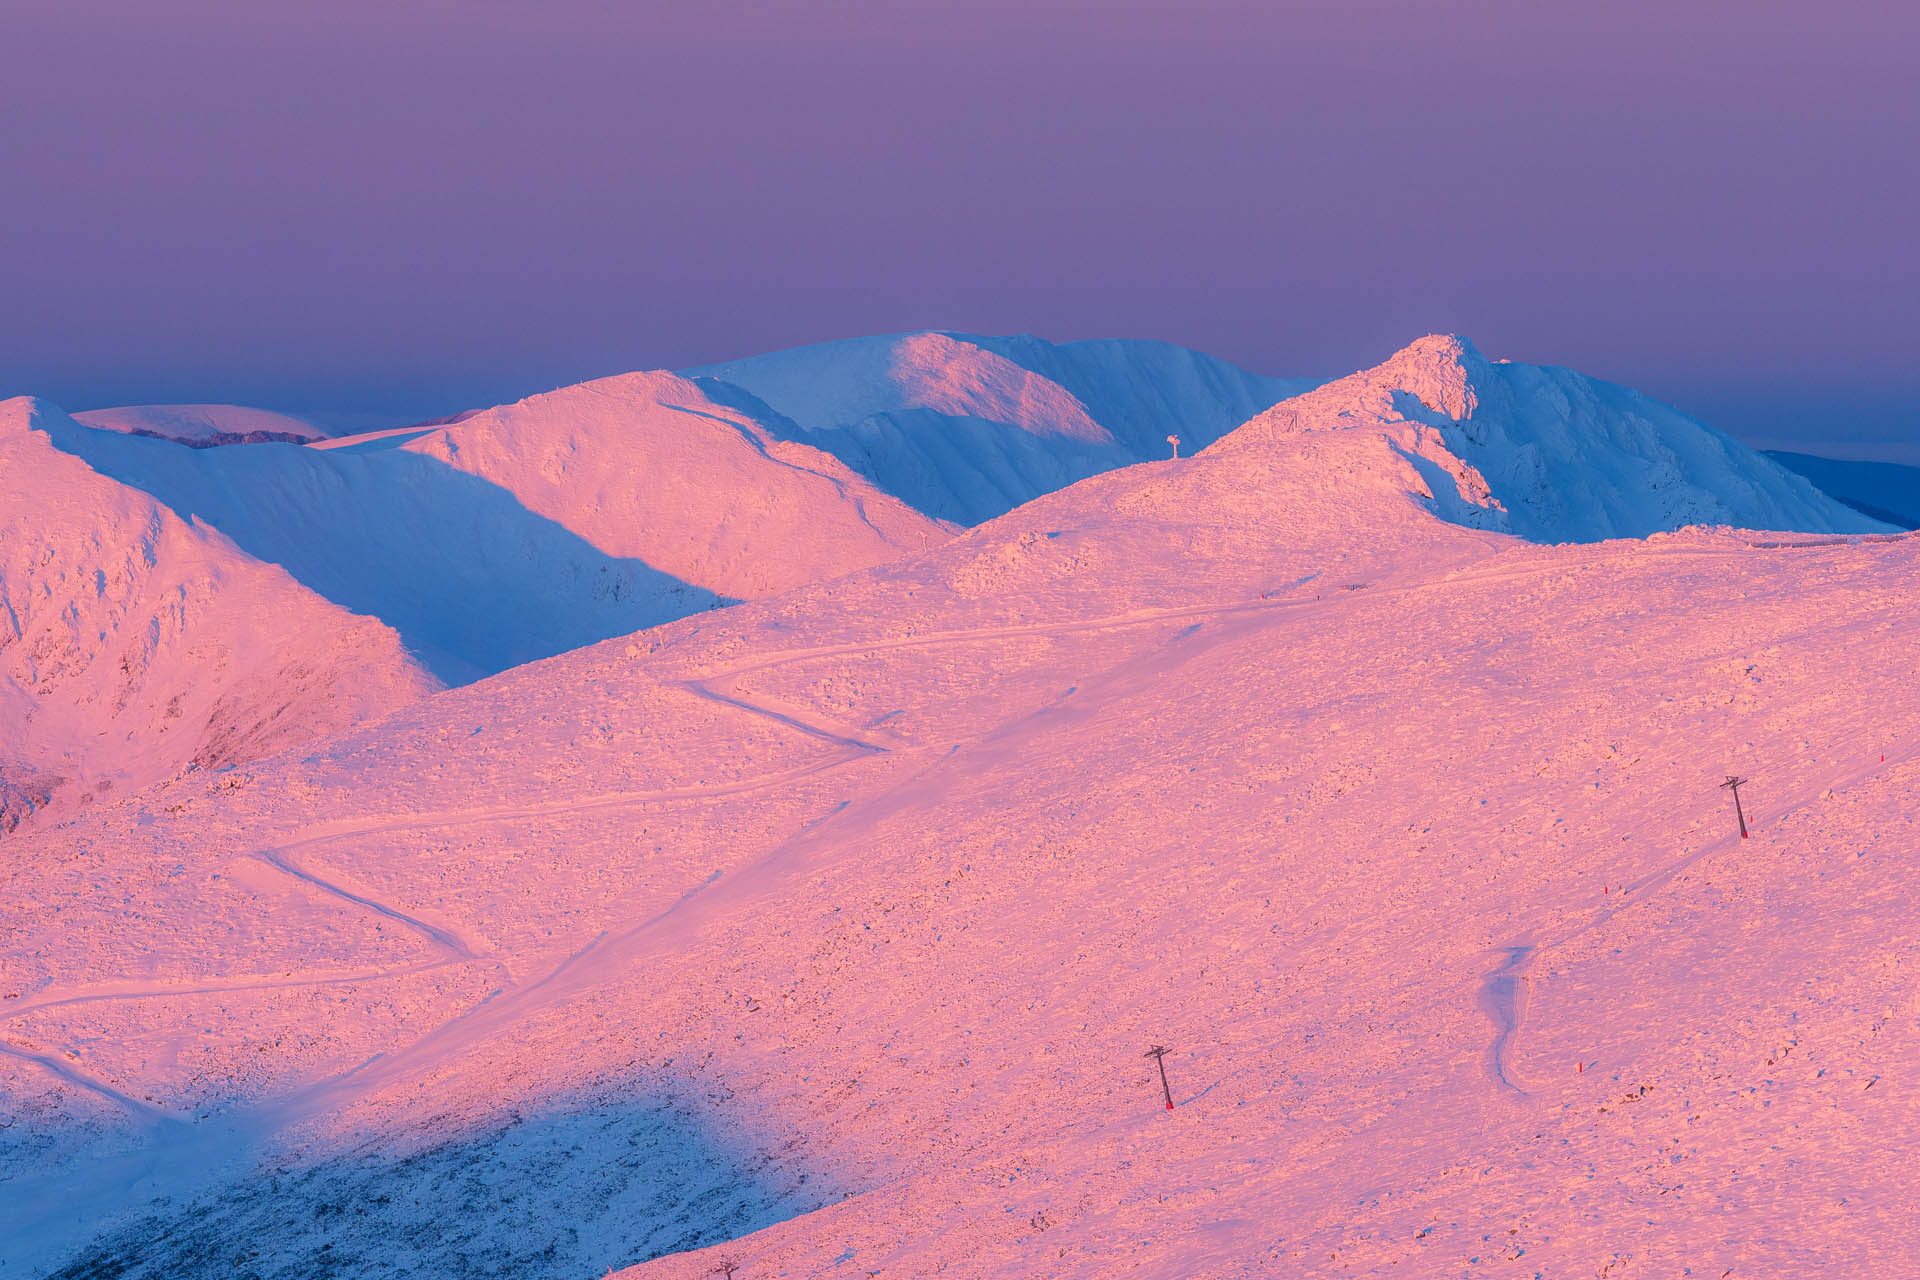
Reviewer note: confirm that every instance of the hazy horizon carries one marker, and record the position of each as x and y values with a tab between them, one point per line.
386	212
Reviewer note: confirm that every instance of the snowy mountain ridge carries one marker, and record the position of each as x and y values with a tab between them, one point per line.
849	381
967	427
165	606
203	425
536	527
1551	455
134	644
518	532
831	928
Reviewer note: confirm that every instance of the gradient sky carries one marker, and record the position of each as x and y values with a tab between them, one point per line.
407	208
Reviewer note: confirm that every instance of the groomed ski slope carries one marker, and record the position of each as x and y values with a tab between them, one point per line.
1405	835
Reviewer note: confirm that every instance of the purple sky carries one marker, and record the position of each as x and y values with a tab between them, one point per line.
406	208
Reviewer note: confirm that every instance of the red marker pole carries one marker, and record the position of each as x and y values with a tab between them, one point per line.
1159	1055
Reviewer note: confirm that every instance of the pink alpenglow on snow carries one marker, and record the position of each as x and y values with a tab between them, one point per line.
821	934
537	527
135	644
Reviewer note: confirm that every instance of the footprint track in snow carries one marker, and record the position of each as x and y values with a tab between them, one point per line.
1503	998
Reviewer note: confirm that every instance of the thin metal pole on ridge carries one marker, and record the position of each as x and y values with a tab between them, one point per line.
1159	1055
1734	784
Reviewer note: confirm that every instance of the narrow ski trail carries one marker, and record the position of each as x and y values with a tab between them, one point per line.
73	1075
446	939
108	991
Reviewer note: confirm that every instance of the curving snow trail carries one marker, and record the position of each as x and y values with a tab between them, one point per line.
838	734
1503	998
80	1079
1465	570
445	938
105	991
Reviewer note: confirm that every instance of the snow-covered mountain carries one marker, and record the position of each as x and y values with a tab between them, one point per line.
537	527
203	425
134	644
1554	456
520	532
967	427
828	932
170	605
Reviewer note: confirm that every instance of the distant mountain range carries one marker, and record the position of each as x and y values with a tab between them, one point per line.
143	579
1887	491
203	426
966	427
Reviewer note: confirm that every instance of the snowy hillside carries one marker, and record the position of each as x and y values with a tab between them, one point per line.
536	527
202	425
133	645
1554	456
825	935
967	427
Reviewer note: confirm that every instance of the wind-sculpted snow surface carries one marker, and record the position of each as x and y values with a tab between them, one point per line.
1404	835
968	427
538	527
134	645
